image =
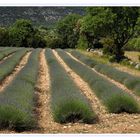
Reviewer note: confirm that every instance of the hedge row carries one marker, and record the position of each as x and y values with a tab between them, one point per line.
17	100
9	64
115	99
130	81
67	102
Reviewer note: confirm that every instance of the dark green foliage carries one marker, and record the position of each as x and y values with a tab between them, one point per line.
82	43
97	44
23	34
17	100
108	46
36	41
105	90
130	81
4	37
67	102
117	23
133	44
53	40
9	64
20	32
66	28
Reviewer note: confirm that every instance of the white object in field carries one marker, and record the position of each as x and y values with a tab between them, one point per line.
137	66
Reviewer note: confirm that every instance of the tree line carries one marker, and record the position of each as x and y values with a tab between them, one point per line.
111	28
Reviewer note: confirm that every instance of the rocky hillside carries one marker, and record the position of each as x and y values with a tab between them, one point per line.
39	15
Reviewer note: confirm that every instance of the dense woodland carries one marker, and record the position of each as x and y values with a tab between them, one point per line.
113	29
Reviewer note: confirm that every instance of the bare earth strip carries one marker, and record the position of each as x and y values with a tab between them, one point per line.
17	69
45	120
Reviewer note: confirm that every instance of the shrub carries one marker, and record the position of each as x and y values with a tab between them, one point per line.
104	90
112	58
82	43
108	46
53	41
67	102
133	45
4	37
125	62
73	111
66	28
37	41
23	34
97	44
13	118
124	104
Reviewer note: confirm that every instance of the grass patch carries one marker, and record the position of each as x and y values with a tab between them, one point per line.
91	55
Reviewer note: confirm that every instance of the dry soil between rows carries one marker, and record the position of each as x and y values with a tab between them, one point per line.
45	120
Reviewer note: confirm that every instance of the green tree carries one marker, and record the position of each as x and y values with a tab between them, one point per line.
118	23
23	34
20	32
66	29
53	39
